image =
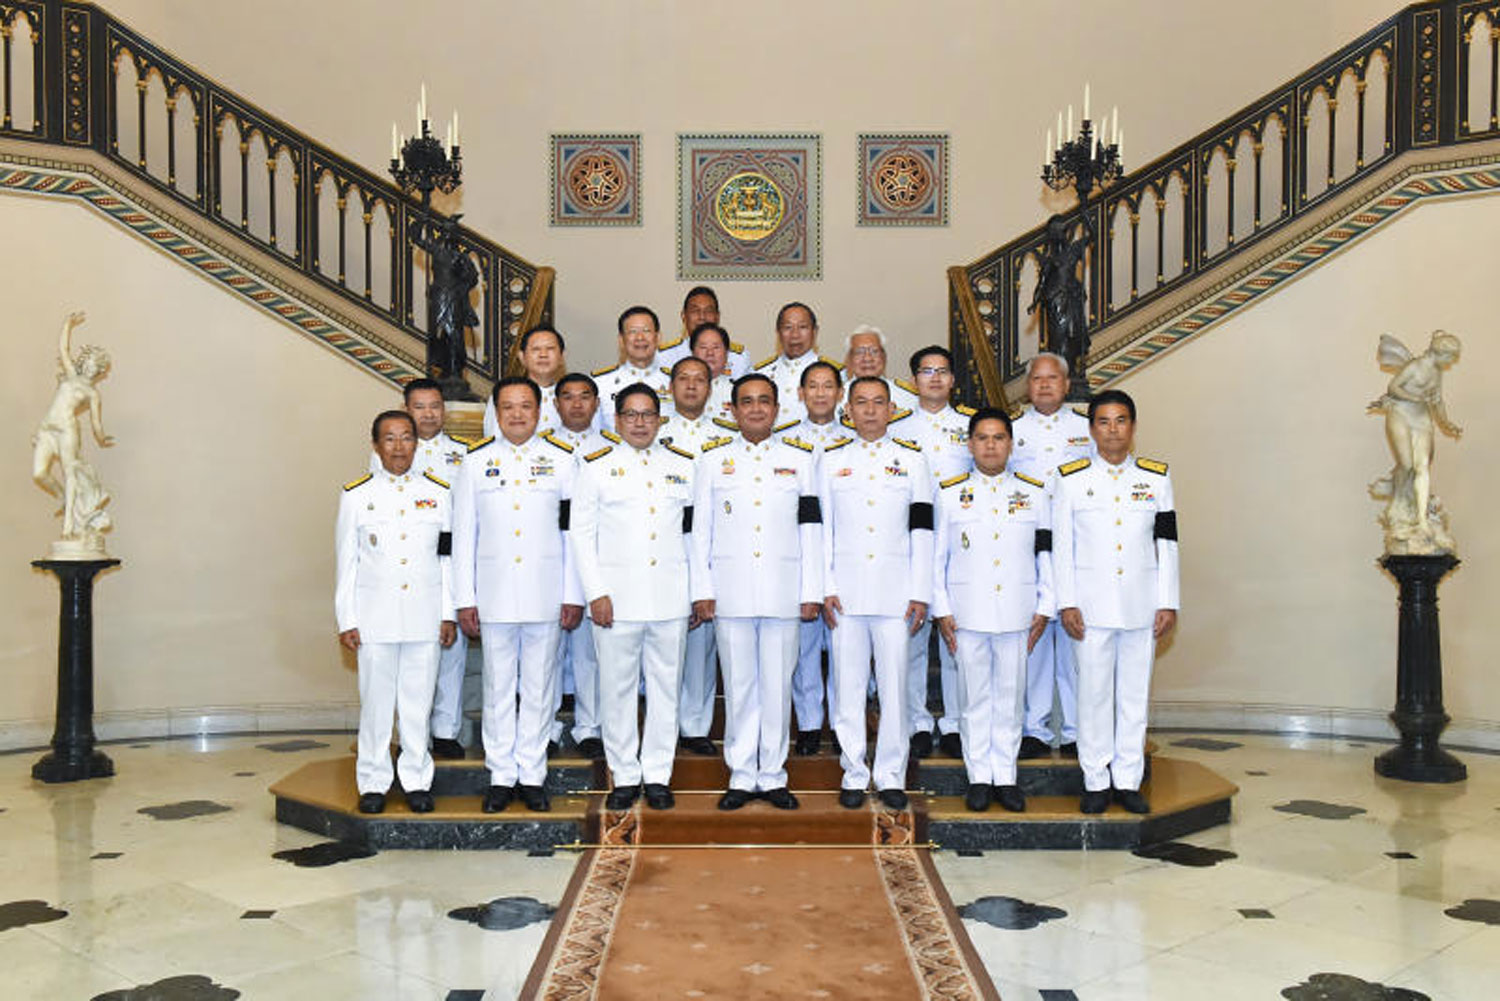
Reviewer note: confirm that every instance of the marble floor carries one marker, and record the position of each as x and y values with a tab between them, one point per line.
172	880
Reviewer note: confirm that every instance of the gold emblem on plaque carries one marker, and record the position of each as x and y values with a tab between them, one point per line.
749	206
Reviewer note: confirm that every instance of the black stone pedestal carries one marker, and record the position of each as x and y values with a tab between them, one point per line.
1419	711
73	756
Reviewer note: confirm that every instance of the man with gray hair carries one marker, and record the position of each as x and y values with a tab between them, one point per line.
864	356
1048	434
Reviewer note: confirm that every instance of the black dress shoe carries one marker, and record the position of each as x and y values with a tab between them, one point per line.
1031	747
419	801
733	799
952	745
622	797
851	799
978	797
1132	800
659	797
535	798
372	802
591	748
552	748
894	799
698	745
1011	798
1094	802
921	744
496	799
781	799
808	742
1068	750
447	750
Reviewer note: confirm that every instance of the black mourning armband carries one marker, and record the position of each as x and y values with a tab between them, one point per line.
919	517
564	514
809	511
687	519
445	543
1043	540
1166	525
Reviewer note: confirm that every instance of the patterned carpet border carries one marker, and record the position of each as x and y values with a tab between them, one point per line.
580	936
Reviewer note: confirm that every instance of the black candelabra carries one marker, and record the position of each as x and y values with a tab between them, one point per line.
1083	163
421	164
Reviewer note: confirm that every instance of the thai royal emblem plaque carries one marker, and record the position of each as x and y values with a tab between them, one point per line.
749	207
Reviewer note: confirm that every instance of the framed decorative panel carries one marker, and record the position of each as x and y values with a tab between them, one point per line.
903	179
749	207
596	180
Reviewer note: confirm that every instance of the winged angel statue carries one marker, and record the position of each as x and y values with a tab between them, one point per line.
1414	521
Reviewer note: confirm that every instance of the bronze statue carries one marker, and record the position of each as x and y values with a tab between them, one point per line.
449	314
1060	287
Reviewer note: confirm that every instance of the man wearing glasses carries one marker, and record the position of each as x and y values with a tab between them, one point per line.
865	356
943	432
630	522
638	331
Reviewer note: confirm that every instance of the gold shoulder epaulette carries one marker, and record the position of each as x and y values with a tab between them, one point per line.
610	436
837	365
1082	412
907	385
840	443
662	419
737	347
762	364
359	482
966	410
465	442
907	444
901	414
680	451
1027	479
1069	468
439	482
664	347
1152	466
798	443
549	439
953	481
727	425
476	446
666	370
604	371
714	443
596	454
846	422
782	427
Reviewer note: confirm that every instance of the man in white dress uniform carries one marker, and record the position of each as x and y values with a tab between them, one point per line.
393	601
638	331
797	343
700	306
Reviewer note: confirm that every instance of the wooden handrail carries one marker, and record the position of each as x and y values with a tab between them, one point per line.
979	345
538	310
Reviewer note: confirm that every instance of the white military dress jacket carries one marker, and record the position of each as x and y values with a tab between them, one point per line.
691	434
876	500
757	528
786	373
631	516
1114	536
391	543
1044	442
737	363
992	552
510	506
944	437
441	454
615	378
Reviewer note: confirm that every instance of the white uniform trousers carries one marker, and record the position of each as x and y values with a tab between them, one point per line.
575	653
854	639
759	657
808	685
629	652
1050	667
992	691
395	678
1114	690
916	679
520	664
700	682
457	689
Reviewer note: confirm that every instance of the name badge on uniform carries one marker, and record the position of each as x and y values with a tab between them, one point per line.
542	469
675	478
425	502
1081	440
1018	501
844	472
783	471
895	470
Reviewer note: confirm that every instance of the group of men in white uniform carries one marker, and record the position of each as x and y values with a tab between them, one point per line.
636	531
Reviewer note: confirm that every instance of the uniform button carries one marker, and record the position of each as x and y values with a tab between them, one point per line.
653	535
1118	546
1047	449
869	556
518	559
1117	521
757	503
997	587
994	510
518	533
997	563
403	561
870	528
652	510
872	476
403	587
1119	571
516	507
997	535
871	502
401	513
400	490
757	528
757	480
653	562
757	555
1117	498
403	535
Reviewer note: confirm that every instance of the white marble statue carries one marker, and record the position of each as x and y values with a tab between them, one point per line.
59	441
1413	519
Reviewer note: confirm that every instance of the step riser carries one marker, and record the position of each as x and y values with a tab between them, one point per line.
468	780
1021	835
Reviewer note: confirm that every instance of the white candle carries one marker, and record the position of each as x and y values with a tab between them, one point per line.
1047	149
1069	133
422	105
1085	101
1060	133
419	118
1120	146
395	142
1114	125
448	134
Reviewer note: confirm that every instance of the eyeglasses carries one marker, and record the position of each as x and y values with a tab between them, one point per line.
934	371
637	416
867	351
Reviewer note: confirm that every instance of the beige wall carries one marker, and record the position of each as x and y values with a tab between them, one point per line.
1263	421
235	433
987	72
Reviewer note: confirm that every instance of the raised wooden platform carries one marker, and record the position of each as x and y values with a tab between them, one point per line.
1185	797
